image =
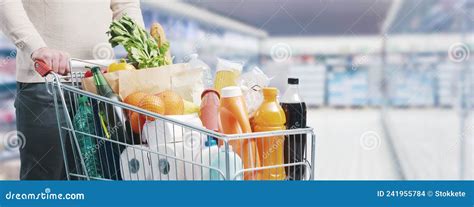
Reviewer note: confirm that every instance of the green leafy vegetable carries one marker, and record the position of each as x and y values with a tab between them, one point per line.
143	50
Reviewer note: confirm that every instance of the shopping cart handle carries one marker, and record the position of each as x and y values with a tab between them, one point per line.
42	68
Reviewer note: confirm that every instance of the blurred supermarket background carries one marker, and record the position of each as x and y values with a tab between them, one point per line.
389	82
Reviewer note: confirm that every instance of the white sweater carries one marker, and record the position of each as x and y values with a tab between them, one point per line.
75	26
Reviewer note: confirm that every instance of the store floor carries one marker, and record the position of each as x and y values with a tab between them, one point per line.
351	144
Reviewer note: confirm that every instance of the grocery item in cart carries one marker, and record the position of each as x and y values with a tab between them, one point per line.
227	74
181	78
143	50
163	163
233	119
174	104
160	132
295	145
210	109
114	115
190	107
84	122
122	65
108	154
152	104
197	63
135	99
213	158
158	33
135	163
252	83
137	121
270	117
166	166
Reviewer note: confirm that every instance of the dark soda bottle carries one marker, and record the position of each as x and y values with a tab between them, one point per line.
295	145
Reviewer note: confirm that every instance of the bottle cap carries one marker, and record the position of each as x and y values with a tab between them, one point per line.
293	81
270	92
210	91
95	69
231	91
210	142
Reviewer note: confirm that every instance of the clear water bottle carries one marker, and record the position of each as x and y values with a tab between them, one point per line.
195	62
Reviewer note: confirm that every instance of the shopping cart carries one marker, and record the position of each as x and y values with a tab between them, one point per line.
166	148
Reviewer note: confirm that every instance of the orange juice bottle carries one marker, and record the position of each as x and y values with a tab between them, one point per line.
233	119
270	117
227	74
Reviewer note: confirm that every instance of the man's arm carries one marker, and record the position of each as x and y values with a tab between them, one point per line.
16	25
129	7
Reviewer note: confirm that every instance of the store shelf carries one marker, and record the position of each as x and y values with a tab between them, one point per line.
188	33
412	86
448	77
178	8
348	88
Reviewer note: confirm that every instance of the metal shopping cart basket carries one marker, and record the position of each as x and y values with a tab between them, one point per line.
167	148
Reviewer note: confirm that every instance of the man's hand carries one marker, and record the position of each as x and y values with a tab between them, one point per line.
57	60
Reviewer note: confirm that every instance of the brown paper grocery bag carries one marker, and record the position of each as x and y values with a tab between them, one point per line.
180	78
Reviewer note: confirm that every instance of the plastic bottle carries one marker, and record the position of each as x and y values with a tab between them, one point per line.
270	117
195	62
210	109
227	74
295	145
233	119
113	115
114	126
84	122
215	157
